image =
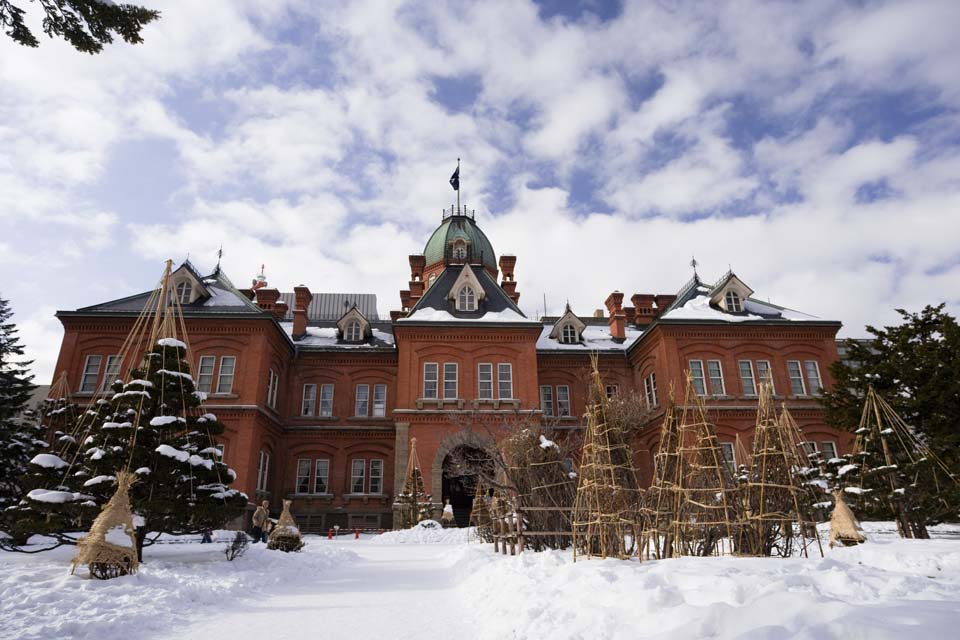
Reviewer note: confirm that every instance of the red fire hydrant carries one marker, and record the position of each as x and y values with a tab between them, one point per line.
329	534
356	534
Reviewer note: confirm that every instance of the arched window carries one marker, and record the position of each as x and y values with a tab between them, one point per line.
433	278
459	252
184	291
353	332
733	302
569	334
466	299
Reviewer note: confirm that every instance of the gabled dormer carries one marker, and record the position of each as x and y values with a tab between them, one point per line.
466	292
730	293
187	285
353	326
569	328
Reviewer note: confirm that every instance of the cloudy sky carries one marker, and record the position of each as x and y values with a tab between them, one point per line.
811	146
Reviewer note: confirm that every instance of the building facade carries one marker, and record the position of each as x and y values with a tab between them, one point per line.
322	398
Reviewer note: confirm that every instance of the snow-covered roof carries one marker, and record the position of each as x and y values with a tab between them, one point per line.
593	338
693	303
429	314
326	337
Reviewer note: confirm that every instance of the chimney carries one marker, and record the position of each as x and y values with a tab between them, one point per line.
396	315
646	311
405	300
617	319
630	313
663	301
598	313
507	263
248	293
268	300
416	289
417	264
280	310
302	298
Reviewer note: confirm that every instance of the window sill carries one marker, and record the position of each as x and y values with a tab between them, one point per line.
222	396
314	418
311	496
368	418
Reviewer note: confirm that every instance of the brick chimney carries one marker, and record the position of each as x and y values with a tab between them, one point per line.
405	300
417	263
268	299
302	298
618	319
664	301
508	283
645	311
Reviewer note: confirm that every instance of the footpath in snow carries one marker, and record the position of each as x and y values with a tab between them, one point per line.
420	584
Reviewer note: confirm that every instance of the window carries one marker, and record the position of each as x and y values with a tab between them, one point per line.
321	479
303	475
362	406
563	400
747	381
379	400
650	390
326	400
433	278
546	399
829	449
184	291
696	372
568	335
450	380
353	332
263	470
205	374
765	374
91	371
505	381
273	381
376	476
612	391
726	448
485	381
813	376
715	372
459	252
733	302
796	378
225	379
430	380
466	299
222	448
113	372
356	476
309	399
809	448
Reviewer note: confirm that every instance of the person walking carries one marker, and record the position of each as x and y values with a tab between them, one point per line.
260	517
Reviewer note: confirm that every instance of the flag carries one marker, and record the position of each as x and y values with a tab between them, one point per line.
455	179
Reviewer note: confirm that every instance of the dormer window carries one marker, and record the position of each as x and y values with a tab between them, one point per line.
466	299
569	334
459	252
353	332
184	291
732	302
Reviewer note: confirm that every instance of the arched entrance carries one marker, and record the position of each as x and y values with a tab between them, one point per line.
463	467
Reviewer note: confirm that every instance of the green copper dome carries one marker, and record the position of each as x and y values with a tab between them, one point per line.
441	242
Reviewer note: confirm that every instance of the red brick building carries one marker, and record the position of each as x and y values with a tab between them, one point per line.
321	396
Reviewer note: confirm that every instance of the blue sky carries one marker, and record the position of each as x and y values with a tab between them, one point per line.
812	147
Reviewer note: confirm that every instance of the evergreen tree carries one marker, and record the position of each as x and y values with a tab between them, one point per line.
151	427
20	432
915	366
85	24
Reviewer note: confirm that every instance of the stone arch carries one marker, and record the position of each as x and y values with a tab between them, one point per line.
451	442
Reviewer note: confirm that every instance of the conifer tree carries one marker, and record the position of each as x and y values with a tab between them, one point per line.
20	432
149	426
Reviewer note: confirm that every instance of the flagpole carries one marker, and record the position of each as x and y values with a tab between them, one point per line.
458	185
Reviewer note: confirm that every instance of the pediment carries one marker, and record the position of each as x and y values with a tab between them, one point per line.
466	277
353	315
568	318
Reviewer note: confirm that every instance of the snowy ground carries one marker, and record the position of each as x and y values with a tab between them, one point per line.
396	586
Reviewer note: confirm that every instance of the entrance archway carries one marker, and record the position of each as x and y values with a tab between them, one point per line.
463	467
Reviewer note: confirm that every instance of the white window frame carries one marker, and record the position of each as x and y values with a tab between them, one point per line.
729	453
325	475
751	391
205	378
568	334
357	406
832	445
301	478
451	380
361	476
794	379
809	447
273	383
353	331
379	401
309	405
431	380
711	378
184	292
375	489
90	377
111	372
466	298
733	302
225	380
814	389
650	390
485	381
564	407
263	470
697	374
768	373
612	390
325	406
505	377
546	400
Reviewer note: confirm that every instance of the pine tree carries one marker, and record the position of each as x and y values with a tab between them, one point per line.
150	426
20	431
